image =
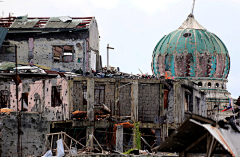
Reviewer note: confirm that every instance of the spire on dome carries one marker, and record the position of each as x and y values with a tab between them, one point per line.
193	6
191	23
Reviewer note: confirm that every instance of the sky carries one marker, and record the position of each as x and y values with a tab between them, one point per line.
133	27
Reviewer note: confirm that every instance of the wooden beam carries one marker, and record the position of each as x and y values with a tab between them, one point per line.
212	147
195	143
209	139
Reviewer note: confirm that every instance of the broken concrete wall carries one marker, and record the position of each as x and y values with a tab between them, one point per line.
94	41
5	95
58	112
109	95
34	128
148	101
38	97
125	99
43	53
38	49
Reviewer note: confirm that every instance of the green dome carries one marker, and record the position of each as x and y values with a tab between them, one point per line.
191	51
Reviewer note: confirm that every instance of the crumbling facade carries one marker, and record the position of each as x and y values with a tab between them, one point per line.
34	128
158	105
48	96
55	43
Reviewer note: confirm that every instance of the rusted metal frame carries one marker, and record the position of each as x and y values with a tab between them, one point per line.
83	23
81	26
81	17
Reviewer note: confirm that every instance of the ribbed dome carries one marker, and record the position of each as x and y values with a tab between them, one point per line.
191	51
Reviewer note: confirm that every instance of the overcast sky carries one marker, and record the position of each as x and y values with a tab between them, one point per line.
133	27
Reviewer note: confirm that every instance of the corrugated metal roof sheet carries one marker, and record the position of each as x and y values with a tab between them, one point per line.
3	33
26	24
229	139
21	18
56	22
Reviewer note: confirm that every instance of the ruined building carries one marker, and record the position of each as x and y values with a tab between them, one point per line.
193	53
55	43
82	106
48	106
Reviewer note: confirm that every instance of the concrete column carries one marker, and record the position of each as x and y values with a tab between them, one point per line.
158	136
161	95
134	105
116	97
90	99
89	133
119	138
90	111
70	97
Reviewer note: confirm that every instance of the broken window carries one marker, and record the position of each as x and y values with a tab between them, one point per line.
188	101
99	93
56	96
166	98
7	48
4	96
63	53
84	95
197	105
24	101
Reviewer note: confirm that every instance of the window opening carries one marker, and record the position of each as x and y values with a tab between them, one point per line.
56	96
209	84
188	101
63	53
166	98
99	94
7	48
197	105
217	85
199	84
187	35
84	95
24	101
4	97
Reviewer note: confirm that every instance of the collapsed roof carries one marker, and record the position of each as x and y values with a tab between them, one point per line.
61	22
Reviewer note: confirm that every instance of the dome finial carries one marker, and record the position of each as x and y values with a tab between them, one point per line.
193	7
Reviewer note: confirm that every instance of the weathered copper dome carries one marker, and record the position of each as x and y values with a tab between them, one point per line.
191	51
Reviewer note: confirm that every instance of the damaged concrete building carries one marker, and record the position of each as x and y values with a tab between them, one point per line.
106	109
55	43
158	105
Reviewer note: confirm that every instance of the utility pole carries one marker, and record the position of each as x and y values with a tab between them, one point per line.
108	55
18	110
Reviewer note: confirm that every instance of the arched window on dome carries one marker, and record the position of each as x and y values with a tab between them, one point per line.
217	85
209	84
199	84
